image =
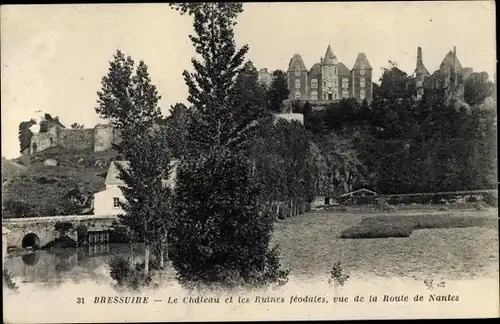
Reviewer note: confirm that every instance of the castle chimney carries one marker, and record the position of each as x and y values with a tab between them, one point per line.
419	57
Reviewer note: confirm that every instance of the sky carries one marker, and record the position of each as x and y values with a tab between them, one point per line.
53	57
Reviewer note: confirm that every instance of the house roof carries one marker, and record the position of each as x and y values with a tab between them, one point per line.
112	178
361	59
329	56
343	69
295	61
352	193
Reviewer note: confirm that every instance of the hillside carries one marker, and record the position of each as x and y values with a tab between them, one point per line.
37	189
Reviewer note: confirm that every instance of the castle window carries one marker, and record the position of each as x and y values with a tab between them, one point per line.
330	84
362	83
116	202
335	70
314	83
314	95
345	83
362	94
324	96
297	95
362	72
297	84
324	84
345	94
362	66
297	70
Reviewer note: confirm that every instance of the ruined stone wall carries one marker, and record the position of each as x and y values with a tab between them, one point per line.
44	140
77	139
99	139
103	137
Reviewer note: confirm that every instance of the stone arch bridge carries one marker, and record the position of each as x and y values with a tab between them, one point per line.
35	232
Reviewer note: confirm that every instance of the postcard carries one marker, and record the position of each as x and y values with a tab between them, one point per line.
177	162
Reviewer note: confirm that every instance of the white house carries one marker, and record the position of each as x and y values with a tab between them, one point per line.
107	201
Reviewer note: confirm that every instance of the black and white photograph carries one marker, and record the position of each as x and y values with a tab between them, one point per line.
172	162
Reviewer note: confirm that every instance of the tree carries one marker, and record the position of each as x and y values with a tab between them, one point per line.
211	85
148	201
25	134
477	88
219	237
77	126
219	234
278	91
130	102
126	99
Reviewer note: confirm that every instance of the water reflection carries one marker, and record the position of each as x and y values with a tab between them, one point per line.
55	266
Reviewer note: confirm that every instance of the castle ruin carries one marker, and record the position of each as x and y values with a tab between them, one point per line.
98	139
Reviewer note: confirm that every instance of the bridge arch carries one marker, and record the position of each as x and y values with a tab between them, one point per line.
31	240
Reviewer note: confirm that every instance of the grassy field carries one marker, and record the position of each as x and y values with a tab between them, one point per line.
453	243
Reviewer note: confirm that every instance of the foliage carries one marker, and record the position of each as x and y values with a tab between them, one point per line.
77	126
63	227
25	134
211	85
477	88
126	97
337	275
8	281
278	91
218	235
147	200
128	277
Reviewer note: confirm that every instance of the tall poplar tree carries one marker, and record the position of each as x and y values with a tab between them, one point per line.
218	234
130	102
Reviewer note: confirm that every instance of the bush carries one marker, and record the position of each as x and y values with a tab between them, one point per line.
128	277
382	204
337	275
8	282
218	235
490	199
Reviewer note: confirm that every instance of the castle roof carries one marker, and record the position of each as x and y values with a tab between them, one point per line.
315	70
296	62
343	69
329	57
450	59
361	59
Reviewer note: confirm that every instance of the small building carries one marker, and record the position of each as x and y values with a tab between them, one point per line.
107	201
359	193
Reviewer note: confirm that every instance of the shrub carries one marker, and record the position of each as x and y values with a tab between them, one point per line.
128	277
490	199
382	204
337	275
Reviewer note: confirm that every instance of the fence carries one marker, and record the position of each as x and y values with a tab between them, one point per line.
488	195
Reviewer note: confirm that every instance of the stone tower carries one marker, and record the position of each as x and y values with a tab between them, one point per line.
329	76
297	78
361	74
420	74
